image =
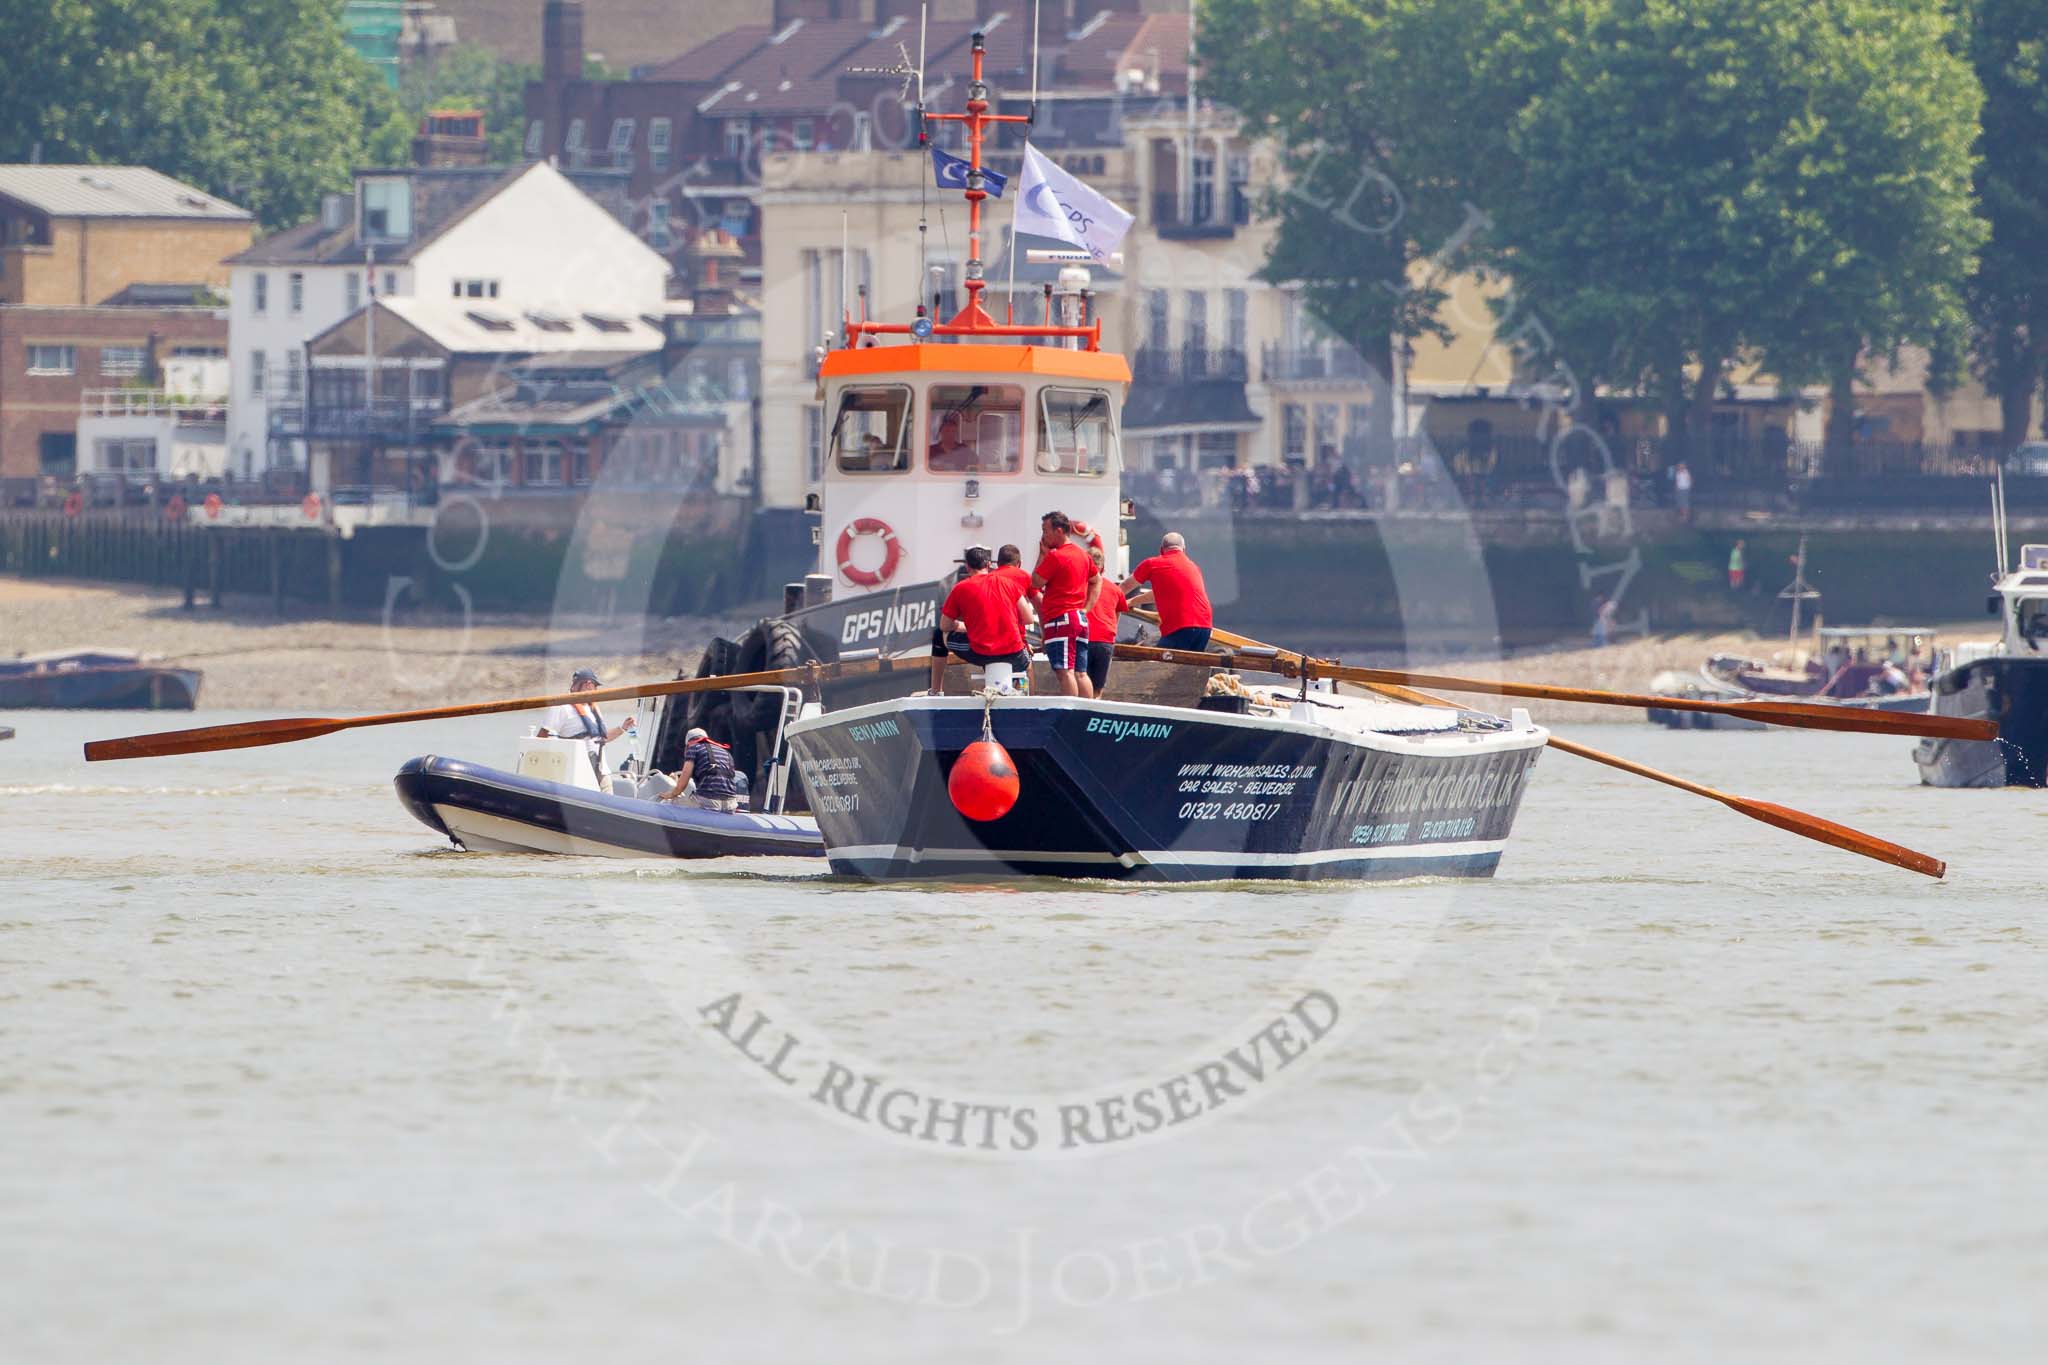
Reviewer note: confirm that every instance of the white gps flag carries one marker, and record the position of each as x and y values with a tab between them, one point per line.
1052	203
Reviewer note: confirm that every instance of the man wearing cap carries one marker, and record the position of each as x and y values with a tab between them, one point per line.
710	763
982	620
1175	583
580	720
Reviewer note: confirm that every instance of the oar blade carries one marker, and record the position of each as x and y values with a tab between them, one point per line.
208	738
1841	836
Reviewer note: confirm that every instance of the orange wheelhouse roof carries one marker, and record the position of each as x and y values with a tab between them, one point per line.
1042	361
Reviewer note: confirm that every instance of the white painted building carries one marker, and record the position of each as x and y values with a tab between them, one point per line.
151	435
527	238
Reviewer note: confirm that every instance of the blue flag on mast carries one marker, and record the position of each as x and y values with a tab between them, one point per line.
951	173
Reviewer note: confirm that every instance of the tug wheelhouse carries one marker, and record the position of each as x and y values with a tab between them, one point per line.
937	447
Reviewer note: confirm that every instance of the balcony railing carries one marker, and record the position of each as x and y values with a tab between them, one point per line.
385	417
182	407
1188	365
1306	363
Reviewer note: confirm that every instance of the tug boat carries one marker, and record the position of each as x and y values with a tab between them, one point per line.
2005	680
968	431
555	800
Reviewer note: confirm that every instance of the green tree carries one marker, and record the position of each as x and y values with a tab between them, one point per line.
260	101
472	75
2008	296
1695	182
1356	96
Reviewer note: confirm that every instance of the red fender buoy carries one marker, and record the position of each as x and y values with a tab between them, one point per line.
983	785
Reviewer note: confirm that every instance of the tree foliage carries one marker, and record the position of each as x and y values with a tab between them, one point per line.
2008	296
1348	90
260	101
1674	185
1701	180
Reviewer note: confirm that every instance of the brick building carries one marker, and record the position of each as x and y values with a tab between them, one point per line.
51	356
77	235
827	76
106	274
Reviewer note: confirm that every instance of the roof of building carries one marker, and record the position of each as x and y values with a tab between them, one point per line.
165	296
710	60
624	32
492	327
112	192
442	197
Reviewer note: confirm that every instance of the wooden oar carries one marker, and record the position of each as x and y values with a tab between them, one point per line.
1779	817
1782	817
1798	715
255	734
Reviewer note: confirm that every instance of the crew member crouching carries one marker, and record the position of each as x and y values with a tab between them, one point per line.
710	763
981	621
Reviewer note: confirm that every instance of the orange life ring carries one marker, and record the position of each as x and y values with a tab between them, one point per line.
311	506
213	507
74	504
1092	537
892	556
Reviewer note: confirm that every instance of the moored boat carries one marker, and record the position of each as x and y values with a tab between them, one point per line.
2005	680
96	679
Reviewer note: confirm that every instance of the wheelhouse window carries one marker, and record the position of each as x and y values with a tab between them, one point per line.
975	429
1075	432
871	432
2032	618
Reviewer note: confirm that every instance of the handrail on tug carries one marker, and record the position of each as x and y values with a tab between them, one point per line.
972	319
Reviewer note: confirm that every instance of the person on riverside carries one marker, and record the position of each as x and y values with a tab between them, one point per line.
710	764
579	720
1175	583
1102	624
1067	585
982	621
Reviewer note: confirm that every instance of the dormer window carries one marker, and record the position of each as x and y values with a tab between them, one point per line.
489	321
549	322
386	209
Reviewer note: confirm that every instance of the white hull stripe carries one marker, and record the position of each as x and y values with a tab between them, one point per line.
1169	857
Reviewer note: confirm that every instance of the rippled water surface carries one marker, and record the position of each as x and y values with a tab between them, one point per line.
282	1079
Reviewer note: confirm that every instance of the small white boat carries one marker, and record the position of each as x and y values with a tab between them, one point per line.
554	800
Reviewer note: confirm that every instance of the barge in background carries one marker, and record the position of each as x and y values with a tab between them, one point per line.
96	680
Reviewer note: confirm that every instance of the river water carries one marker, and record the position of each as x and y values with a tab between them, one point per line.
283	1080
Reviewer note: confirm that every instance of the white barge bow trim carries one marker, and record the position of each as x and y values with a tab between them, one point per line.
1323	788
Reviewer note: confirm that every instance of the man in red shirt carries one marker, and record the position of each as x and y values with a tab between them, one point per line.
1067	585
1102	623
1010	569
1175	582
982	621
